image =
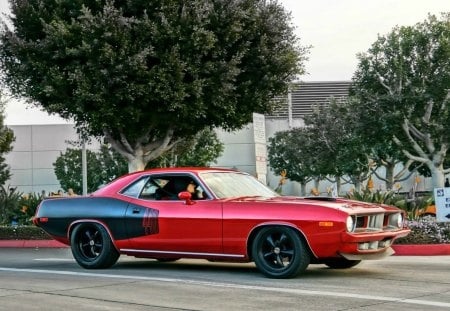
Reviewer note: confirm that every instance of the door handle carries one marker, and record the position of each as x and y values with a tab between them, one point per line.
136	211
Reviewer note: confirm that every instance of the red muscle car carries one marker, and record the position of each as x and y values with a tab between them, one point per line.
218	214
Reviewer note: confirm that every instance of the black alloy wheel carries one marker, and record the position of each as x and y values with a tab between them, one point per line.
279	252
92	247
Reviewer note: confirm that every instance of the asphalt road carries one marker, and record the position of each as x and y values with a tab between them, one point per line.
49	279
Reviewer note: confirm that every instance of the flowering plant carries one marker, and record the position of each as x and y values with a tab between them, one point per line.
426	231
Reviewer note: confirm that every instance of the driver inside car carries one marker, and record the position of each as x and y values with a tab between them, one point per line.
196	192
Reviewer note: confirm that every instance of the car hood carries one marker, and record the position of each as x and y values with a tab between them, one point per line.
349	206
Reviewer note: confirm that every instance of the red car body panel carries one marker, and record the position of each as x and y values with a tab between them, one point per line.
184	228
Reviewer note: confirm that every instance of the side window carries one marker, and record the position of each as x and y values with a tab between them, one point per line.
135	188
153	189
167	187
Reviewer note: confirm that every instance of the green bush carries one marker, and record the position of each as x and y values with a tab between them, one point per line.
382	197
410	205
9	204
17	206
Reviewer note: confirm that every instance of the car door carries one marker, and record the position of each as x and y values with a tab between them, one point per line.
172	225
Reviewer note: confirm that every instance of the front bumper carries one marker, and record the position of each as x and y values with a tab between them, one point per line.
375	245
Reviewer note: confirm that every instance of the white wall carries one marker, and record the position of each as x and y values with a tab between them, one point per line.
35	150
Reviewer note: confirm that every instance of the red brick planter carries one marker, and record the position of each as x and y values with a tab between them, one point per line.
421	249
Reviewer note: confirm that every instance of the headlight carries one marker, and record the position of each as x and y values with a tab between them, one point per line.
399	220
350	224
396	220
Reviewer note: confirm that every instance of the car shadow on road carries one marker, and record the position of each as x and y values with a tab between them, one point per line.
186	267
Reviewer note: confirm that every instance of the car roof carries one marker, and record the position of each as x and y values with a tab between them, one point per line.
182	170
118	184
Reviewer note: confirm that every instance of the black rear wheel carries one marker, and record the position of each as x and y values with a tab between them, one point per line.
92	247
279	252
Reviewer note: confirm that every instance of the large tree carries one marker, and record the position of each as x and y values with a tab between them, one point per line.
385	156
293	152
145	74
338	146
403	83
6	140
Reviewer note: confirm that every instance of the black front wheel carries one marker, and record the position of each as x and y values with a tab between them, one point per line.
279	252
92	247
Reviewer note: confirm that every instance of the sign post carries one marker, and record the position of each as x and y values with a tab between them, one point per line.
259	135
442	201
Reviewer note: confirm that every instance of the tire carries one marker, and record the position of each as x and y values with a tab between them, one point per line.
342	263
279	252
92	247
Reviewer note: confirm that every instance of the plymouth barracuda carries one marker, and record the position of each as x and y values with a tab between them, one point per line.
218	215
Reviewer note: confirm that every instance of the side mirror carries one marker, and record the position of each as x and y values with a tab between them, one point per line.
187	197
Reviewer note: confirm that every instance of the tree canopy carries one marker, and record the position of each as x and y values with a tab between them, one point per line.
6	140
145	74
291	152
104	166
403	85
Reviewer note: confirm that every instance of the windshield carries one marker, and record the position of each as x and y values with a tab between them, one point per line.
232	185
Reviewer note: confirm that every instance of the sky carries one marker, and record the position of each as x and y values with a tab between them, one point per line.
337	30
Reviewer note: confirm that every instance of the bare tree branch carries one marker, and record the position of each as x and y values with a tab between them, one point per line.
158	147
381	80
125	143
117	145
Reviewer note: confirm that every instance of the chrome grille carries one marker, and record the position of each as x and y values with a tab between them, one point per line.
375	222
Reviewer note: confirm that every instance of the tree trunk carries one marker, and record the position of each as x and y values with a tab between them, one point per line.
303	189
136	164
357	184
138	154
338	185
316	183
437	176
390	167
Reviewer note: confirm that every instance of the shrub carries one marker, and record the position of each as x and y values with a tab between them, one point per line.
9	204
28	204
426	231
382	197
15	205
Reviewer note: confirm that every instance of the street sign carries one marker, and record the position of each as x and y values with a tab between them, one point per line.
259	137
442	202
